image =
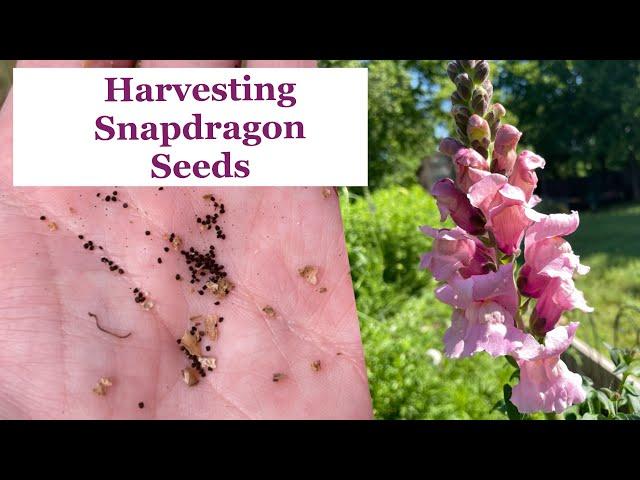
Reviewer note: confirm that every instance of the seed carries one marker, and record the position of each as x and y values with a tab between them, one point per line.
108	198
178	277
147	232
42	217
166	249
140	404
81	237
208	348
159	260
97	194
115	193
278	376
125	205
161	188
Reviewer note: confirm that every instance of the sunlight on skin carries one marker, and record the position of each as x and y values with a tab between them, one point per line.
53	355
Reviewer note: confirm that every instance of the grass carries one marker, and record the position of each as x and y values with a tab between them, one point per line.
401	320
609	242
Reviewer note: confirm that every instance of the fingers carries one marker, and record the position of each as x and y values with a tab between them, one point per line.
281	63
189	63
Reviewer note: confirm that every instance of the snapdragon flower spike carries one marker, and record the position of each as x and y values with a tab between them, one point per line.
506	210
547	273
453	202
483	319
455	252
546	384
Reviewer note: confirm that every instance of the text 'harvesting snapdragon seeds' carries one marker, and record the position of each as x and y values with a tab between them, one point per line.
189	127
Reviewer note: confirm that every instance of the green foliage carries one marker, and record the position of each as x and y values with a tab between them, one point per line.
404	110
580	115
400	318
5	77
622	403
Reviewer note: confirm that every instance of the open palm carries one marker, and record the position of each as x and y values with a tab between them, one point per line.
52	353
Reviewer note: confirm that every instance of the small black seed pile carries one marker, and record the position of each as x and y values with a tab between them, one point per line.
111	198
138	296
211	220
112	265
89	245
203	266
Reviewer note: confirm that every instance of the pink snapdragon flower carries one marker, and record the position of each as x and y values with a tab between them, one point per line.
547	273
456	252
524	176
504	150
469	165
453	202
483	319
546	384
506	209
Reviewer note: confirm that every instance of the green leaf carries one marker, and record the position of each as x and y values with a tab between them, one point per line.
634	368
590	416
606	403
512	361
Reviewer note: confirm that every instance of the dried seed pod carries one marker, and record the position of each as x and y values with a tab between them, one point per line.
460	113
316	366
191	341
190	376
278	377
221	288
269	311
211	327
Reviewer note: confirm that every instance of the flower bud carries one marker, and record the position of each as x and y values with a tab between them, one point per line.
453	69
495	113
464	86
461	113
481	71
456	99
478	128
449	146
488	87
480	101
467	64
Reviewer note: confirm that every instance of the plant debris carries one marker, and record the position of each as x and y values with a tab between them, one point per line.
190	376
195	318
148	305
322	289
316	365
269	311
221	288
102	329
191	342
176	241
53	226
326	192
278	376
310	274
207	362
102	386
211	327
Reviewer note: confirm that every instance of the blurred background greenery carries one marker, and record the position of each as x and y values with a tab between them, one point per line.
582	117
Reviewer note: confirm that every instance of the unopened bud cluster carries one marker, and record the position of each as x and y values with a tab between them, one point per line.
477	120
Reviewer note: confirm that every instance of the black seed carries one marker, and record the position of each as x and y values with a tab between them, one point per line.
125	205
42	217
159	260
147	232
161	188
166	249
115	193
208	348
140	404
120	271
81	237
178	277
108	198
